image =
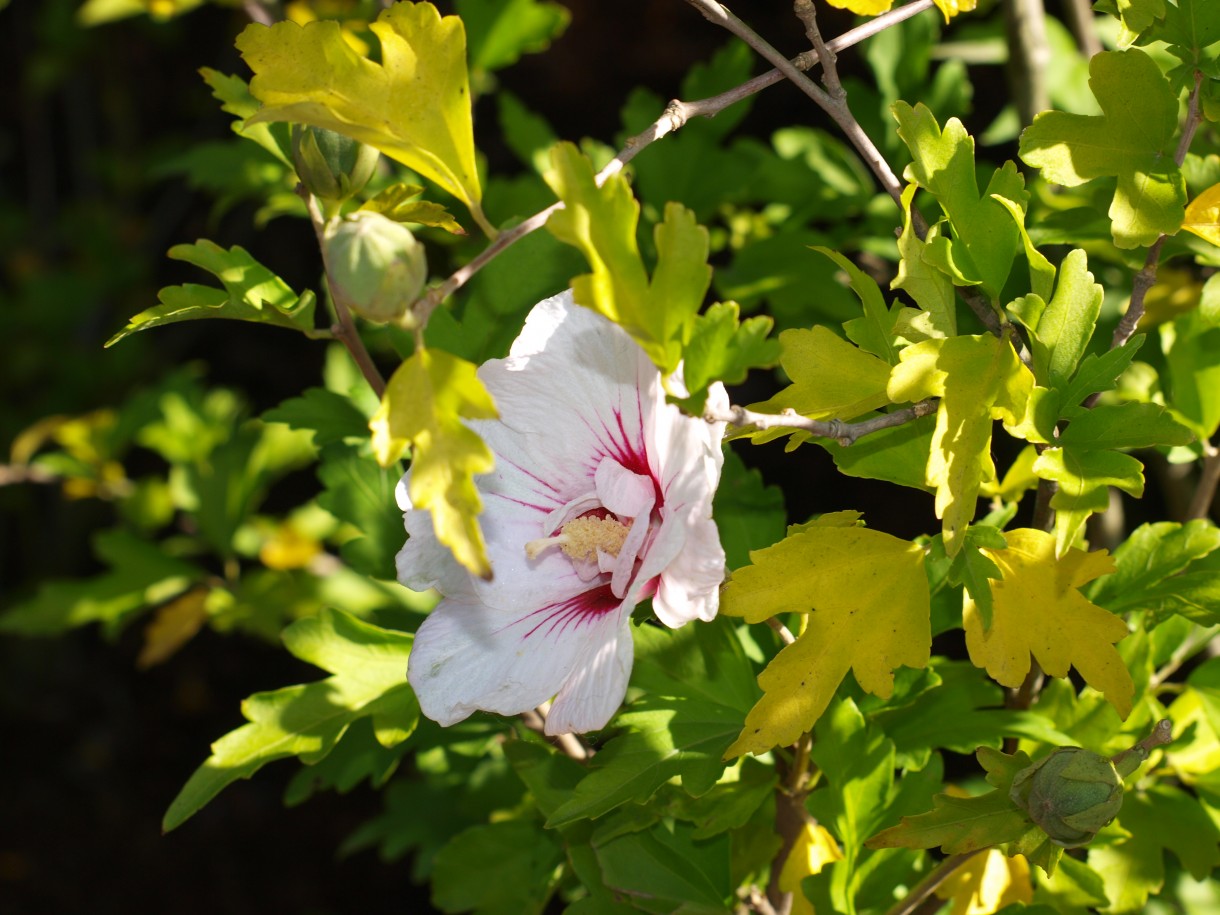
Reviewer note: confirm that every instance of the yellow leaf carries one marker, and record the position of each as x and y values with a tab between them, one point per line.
414	106
987	883
422	408
978	380
867	599
950	8
172	626
288	548
1203	215
863	7
1038	610
813	850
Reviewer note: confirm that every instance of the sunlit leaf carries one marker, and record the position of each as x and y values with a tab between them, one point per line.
1133	140
1203	215
987	883
1040	612
414	106
423	407
866	595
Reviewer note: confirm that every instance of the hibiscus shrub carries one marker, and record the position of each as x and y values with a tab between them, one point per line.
674	693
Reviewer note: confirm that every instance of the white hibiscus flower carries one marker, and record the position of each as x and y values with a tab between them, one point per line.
601	497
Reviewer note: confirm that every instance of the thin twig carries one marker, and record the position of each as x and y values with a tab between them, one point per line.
344	329
535	720
1022	698
258	13
1029	54
676	114
1183	653
846	434
1080	18
808	14
929	884
1205	491
1147	276
837	108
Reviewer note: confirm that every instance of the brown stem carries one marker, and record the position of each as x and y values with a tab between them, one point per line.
1029	53
258	12
808	14
1080	19
1022	698
345	328
1044	515
570	744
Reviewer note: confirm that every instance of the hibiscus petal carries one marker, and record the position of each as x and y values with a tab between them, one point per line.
594	692
469	656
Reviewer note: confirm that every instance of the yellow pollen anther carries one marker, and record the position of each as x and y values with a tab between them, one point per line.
581	538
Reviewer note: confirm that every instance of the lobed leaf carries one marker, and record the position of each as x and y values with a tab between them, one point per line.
423	406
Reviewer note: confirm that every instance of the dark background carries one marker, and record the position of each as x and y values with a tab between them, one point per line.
92	750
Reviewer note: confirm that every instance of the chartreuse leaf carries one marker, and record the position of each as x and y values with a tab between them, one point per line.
1132	140
1039	611
987	883
931	289
602	222
951	8
1134	15
518	864
698	685
414	106
723	348
961	825
813	848
1203	215
423	406
866	596
396	202
985	239
1192	349
1041	271
874	331
1061	328
830	378
1084	466
234	96
1097	374
251	293
978	379
863	7
369	680
1158	819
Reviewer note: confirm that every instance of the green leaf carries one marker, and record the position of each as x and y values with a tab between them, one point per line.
549	776
423	405
1127	425
1192	350
866	596
329	416
234	96
978	379
516	862
361	493
1152	554
1061	328
1162	817
723	348
139	574
985	239
414	106
874	332
749	514
251	293
1098	374
961	825
897	455
666	867
931	289
1190	28
396	202
369	668
500	32
1041	271
698	685
1133	140
601	222
1084	477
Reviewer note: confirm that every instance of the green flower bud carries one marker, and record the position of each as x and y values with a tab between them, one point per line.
331	166
376	265
1070	794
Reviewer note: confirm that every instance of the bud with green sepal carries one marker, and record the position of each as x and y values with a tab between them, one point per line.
1072	793
331	166
375	265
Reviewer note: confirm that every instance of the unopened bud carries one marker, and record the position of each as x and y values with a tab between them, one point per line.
331	166
376	264
1070	794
